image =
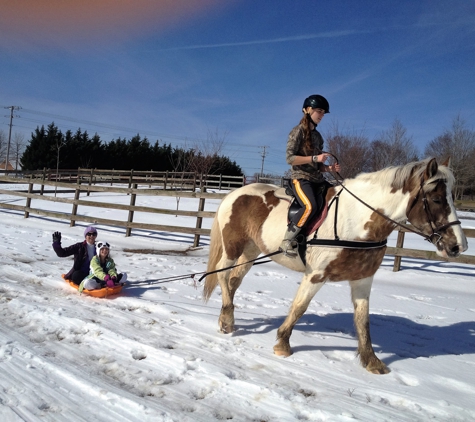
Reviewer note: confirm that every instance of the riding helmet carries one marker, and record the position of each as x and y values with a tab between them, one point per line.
317	101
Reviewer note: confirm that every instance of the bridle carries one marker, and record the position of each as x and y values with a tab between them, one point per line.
433	238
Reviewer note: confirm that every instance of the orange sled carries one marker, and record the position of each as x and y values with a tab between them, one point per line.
104	292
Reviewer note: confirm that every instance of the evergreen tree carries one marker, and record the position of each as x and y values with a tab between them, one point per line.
49	148
43	148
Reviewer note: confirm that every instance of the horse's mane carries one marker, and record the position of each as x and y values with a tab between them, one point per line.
397	176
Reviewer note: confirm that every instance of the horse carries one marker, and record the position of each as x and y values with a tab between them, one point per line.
252	220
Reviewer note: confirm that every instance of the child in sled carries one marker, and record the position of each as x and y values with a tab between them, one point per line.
103	272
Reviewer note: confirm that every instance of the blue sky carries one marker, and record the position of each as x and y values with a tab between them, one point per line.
178	71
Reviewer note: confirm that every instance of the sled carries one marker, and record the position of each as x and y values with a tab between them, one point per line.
104	292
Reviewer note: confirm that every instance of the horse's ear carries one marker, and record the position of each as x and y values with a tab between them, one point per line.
431	169
447	161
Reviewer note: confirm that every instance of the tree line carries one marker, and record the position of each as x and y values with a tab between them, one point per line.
50	148
394	146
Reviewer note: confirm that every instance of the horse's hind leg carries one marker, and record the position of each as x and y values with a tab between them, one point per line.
360	292
305	293
233	280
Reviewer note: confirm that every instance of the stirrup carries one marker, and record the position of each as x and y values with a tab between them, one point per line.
290	250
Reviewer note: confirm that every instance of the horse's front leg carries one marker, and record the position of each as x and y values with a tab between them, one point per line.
360	292
305	293
226	317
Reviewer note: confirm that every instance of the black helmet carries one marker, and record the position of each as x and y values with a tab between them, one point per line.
317	101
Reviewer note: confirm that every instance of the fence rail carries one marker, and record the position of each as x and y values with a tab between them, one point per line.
162	179
139	186
41	194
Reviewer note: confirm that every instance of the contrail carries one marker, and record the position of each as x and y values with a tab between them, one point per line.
333	34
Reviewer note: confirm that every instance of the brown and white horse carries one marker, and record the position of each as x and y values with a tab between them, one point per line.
252	220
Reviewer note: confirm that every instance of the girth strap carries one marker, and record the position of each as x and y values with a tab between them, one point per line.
348	244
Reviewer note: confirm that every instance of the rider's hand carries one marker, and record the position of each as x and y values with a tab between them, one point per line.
56	237
320	158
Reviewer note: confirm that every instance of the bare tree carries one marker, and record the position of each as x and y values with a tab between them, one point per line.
3	146
351	149
205	154
59	143
177	160
393	147
17	148
458	143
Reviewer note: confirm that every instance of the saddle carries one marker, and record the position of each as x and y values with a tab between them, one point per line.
316	221
313	224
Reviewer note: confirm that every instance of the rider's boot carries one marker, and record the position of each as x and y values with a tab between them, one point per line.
289	245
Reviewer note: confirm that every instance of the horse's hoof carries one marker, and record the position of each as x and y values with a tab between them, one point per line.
282	350
226	329
380	369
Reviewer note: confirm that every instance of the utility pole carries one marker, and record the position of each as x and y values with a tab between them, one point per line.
12	108
263	155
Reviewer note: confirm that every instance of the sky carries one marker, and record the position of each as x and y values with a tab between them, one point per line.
186	72
154	352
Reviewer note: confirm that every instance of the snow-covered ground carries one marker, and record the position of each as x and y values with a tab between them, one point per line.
154	353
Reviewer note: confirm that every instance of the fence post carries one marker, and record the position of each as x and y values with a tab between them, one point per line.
42	188
91	176
128	230
76	198
199	220
131	178
28	200
399	244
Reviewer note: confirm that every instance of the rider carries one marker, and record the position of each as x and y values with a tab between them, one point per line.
304	153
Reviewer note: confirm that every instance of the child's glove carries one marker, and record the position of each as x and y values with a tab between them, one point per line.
114	279
56	237
109	281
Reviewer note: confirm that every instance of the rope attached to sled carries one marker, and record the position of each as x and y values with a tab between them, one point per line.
244	263
256	261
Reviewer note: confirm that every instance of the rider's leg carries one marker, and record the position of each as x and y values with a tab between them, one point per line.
310	201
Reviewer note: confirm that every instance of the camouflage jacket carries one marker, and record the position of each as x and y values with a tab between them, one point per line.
312	172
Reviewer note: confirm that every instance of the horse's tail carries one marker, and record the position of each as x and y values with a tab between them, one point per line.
215	254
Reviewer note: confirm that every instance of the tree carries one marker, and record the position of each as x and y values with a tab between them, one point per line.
458	143
51	148
18	144
3	146
41	151
204	157
351	149
393	147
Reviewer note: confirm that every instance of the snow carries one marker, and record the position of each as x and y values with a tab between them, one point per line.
154	352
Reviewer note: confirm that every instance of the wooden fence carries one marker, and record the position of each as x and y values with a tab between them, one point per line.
135	190
138	185
399	251
163	179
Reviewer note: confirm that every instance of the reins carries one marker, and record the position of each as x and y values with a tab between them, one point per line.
404	226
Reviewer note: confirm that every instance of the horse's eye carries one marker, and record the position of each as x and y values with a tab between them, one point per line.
437	199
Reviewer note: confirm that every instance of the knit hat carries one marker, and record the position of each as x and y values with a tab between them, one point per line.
102	245
89	229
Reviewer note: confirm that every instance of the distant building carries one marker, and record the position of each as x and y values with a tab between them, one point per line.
9	167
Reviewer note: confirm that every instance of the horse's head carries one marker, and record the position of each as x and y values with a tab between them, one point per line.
431	208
